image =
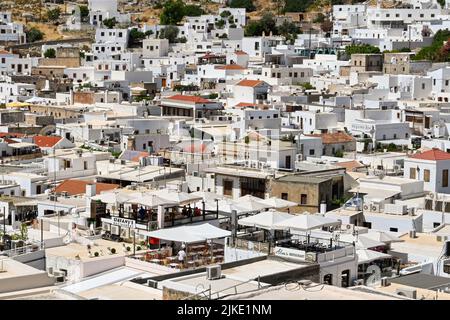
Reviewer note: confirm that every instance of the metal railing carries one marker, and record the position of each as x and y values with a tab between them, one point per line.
35	246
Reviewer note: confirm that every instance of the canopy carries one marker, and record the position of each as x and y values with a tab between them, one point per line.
381	236
361	242
188	234
305	222
36	100
226	206
114	197
278	203
17	104
366	255
151	201
207	196
178	197
265	220
251	203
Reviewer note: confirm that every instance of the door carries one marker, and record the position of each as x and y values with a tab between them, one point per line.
288	162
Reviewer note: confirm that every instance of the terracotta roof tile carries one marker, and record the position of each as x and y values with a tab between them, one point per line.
249	83
241	53
434	154
350	165
230	67
336	137
195	99
46	141
75	187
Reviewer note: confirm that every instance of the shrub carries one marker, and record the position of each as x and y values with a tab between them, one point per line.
128	248
113	250
50	53
34	34
138	248
110	23
96	254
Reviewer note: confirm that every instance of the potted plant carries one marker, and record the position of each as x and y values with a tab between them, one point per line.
128	248
113	250
96	254
138	248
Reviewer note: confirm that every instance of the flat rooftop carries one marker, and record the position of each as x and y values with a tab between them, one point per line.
314	291
422	280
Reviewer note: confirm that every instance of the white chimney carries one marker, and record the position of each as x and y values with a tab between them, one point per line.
323	208
91	190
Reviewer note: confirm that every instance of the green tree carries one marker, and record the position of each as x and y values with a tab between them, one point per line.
296	5
442	3
172	13
34	34
289	30
247	4
436	52
135	37
110	23
191	10
84	12
266	23
170	33
339	153
53	14
50	53
225	14
361	48
220	24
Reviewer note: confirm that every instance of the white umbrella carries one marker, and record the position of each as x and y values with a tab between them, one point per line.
207	196
36	100
225	206
366	255
178	197
114	197
278	203
265	220
151	201
251	203
306	222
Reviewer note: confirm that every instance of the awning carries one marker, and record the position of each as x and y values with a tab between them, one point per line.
265	220
20	145
306	222
188	234
366	256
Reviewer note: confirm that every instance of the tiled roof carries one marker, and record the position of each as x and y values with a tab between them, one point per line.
195	99
230	67
46	141
350	165
249	83
336	137
433	155
75	187
11	135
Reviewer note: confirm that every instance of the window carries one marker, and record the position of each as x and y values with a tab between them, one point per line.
423	86
436	224
311	152
393	229
227	187
85	165
412	173
284	196
303	199
445	178
426	175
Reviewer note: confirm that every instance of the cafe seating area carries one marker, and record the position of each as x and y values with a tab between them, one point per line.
308	246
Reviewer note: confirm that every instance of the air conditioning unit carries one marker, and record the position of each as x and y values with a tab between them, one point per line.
374	207
213	272
406	292
366	207
310	257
